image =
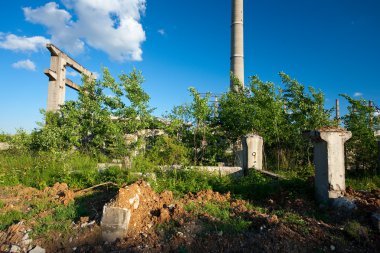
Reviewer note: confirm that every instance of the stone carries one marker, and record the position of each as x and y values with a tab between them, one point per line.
329	162
114	223
344	203
376	221
37	249
15	249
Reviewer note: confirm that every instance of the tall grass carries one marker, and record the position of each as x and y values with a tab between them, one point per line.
45	169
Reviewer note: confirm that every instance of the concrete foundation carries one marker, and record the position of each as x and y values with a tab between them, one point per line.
115	222
329	161
253	152
223	171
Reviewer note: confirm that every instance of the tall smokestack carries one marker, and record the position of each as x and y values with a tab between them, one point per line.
237	42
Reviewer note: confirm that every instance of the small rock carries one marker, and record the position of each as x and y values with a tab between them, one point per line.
344	203
332	247
37	249
376	221
273	219
15	249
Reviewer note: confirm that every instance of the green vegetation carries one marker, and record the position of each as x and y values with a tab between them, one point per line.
223	218
110	120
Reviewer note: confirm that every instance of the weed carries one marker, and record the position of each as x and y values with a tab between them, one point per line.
356	231
10	218
222	218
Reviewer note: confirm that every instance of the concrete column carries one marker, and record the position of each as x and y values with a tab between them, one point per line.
329	161
253	151
57	83
237	41
377	135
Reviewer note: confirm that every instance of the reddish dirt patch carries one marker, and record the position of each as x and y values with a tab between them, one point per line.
161	223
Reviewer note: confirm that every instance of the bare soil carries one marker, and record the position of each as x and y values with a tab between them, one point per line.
162	223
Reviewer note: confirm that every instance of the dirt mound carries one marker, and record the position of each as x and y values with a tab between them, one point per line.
148	207
206	221
60	192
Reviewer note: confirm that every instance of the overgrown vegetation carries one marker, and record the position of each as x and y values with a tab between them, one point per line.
112	119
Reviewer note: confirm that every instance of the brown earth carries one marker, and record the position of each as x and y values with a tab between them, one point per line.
161	223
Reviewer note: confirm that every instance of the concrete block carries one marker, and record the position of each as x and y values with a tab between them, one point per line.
37	249
4	146
329	161
253	151
115	222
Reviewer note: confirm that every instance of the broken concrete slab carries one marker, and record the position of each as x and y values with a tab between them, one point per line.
114	223
37	249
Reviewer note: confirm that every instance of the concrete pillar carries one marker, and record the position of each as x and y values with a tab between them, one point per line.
329	162
253	151
57	83
239	154
377	135
337	111
237	41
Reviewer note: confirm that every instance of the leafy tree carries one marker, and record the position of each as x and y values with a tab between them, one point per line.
96	123
362	147
201	113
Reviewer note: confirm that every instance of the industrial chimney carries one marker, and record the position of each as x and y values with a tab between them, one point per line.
237	42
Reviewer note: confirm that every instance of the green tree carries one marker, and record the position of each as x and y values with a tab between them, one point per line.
362	147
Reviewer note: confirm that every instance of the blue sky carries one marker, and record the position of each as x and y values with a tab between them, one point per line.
333	45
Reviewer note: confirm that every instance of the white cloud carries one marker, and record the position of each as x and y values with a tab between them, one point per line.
358	94
72	73
17	43
25	64
112	26
161	31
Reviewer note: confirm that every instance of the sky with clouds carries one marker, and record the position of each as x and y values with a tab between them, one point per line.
332	45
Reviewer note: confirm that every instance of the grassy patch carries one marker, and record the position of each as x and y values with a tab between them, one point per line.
45	169
364	182
9	218
220	216
356	231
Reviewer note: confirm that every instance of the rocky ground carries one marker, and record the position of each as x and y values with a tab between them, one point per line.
60	220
